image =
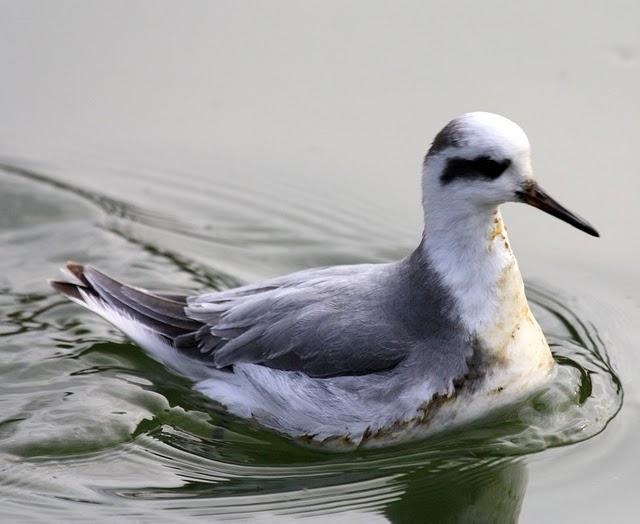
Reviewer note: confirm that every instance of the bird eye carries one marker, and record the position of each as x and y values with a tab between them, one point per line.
482	167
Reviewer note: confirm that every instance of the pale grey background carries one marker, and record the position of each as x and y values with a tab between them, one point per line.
341	99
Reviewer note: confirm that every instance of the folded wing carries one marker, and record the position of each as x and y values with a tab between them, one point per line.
323	322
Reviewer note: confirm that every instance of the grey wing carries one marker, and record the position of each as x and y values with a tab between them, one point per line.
324	322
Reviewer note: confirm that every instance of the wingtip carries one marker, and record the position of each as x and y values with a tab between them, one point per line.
77	269
68	289
74	266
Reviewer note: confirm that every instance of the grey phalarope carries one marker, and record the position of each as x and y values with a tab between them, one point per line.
368	354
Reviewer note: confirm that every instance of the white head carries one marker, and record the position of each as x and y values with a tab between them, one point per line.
479	161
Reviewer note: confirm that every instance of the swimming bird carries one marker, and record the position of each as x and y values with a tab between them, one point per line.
368	354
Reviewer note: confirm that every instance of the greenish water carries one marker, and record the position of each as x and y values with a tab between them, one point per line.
89	419
203	147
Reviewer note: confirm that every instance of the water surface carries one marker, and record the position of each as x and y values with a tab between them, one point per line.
203	147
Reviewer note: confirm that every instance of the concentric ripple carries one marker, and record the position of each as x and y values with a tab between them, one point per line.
90	421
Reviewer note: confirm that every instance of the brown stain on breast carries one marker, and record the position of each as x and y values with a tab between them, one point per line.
514	347
498	230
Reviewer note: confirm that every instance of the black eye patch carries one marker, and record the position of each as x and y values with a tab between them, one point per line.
482	167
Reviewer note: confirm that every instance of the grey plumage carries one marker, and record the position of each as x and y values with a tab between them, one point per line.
324	322
345	350
451	135
327	322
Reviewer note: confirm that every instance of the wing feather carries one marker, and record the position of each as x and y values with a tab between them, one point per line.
322	322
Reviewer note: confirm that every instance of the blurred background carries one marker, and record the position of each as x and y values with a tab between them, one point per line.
200	144
342	97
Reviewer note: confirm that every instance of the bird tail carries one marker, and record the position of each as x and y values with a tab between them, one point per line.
155	321
89	287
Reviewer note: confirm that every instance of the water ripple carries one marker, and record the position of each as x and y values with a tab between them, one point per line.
88	419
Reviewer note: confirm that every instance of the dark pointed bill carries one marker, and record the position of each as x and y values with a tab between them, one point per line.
535	196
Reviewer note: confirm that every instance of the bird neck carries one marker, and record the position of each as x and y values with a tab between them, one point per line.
471	254
469	250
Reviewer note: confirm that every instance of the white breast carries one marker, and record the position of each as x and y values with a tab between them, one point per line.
476	263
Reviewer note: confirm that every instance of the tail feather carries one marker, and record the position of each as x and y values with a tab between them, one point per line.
68	289
140	302
163	315
76	269
156	322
